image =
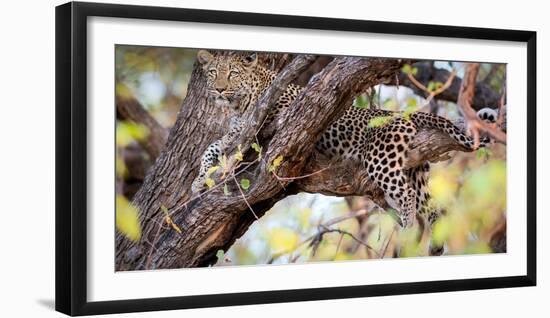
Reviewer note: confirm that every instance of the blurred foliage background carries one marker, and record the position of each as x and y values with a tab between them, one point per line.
471	187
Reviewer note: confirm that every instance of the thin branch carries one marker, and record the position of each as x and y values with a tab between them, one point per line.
338	246
432	93
244	198
128	108
300	177
355	238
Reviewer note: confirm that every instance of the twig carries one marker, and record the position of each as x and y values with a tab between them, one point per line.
244	198
355	238
432	94
300	177
338	246
322	232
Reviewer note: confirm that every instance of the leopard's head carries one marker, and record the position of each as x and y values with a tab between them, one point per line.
229	78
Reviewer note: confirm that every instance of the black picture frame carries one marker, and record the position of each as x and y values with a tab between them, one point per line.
71	157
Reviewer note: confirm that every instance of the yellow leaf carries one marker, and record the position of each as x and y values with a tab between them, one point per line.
239	156
170	222
441	230
443	188
211	170
276	163
120	167
283	239
209	182
223	163
304	217
123	91
127	131
127	219
168	219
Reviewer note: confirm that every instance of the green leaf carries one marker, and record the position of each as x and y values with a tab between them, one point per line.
431	86
411	102
126	132
245	183
361	101
127	219
379	121
483	153
258	149
409	70
410	109
226	190
220	255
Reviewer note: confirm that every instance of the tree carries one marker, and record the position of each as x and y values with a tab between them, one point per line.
179	230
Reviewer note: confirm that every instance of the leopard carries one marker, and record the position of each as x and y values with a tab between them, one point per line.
235	82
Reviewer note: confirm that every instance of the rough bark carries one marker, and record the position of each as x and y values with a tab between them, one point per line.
214	220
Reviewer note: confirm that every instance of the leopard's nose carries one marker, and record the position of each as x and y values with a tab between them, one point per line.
220	90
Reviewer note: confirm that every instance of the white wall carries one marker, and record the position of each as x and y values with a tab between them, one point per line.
27	158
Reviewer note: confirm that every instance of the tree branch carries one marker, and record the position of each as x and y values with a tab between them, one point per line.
465	98
129	108
485	96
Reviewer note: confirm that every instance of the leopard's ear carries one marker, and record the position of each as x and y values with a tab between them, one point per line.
204	57
251	60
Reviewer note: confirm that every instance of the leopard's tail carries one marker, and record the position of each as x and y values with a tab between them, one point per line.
428	120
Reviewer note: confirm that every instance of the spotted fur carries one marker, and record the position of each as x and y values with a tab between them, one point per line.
237	83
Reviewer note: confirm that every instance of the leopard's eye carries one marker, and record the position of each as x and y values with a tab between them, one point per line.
233	73
212	72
